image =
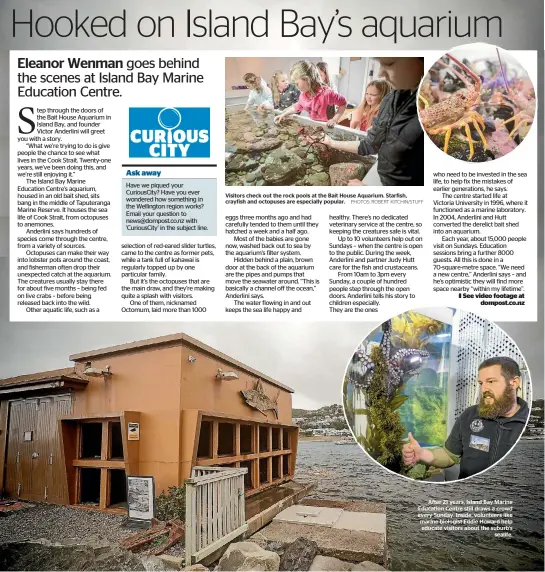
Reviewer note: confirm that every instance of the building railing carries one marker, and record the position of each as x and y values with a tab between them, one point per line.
215	510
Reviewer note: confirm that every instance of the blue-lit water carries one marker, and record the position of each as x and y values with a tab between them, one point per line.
346	472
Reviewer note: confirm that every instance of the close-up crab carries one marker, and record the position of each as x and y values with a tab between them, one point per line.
477	109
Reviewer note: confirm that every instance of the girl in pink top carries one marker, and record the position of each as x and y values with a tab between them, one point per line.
315	96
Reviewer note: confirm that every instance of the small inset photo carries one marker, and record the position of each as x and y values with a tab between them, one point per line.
477	103
437	394
339	121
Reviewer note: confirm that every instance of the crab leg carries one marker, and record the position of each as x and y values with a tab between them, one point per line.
518	119
481	134
448	133
469	139
423	100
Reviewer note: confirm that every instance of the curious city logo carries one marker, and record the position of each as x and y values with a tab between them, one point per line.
169	132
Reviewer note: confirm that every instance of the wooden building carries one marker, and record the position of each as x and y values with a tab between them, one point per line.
156	407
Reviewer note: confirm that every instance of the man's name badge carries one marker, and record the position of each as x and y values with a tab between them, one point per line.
480	443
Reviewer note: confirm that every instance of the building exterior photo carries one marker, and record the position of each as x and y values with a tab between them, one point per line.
157	408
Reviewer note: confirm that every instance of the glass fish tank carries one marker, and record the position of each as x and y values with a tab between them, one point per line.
261	153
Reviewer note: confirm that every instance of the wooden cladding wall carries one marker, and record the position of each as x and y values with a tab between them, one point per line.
34	464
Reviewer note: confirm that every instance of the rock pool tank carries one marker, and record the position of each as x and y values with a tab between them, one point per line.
258	152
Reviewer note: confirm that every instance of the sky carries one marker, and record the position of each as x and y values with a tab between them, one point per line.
311	358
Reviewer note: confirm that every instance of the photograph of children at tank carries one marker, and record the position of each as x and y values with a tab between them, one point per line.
477	103
323	121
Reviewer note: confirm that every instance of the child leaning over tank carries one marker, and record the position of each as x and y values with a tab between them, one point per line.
285	94
260	95
315	97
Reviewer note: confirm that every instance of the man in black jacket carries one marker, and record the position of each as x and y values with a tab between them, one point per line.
483	433
396	135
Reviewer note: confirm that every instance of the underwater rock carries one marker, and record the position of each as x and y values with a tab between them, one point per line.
249	137
251	177
310	158
290	144
240	163
317	168
281	167
480	155
318	180
300	152
264	144
499	142
341	173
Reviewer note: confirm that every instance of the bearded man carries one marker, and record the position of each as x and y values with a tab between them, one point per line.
483	433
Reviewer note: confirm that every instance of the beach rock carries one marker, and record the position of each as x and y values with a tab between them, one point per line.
367	566
317	168
251	177
70	554
174	562
318	180
323	563
281	167
153	563
341	173
196	568
249	137
248	556
300	152
299	555
290	144
310	158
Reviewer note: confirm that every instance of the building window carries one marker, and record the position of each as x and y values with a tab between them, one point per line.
276	463
246	439
205	440
90	486
249	476
116	441
263	471
285	439
263	438
118	488
276	438
226	439
91	440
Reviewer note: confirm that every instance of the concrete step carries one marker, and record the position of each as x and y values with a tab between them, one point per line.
339	530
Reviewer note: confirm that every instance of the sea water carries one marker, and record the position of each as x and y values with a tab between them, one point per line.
347	473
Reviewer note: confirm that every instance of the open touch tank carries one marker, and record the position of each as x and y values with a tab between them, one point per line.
259	152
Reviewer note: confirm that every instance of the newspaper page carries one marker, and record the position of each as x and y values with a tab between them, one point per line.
273	263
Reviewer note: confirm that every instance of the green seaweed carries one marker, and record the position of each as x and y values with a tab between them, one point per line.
427	410
383	439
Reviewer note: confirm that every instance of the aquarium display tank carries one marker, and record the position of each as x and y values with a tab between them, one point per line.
396	383
260	152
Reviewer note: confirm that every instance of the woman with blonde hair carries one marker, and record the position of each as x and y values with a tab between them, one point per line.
285	94
315	96
323	70
363	115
